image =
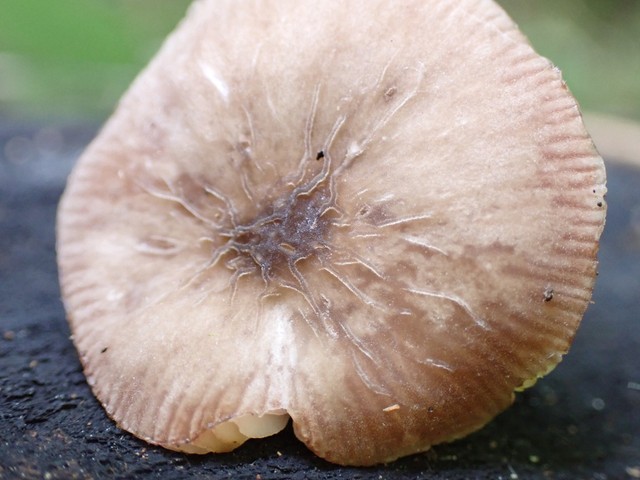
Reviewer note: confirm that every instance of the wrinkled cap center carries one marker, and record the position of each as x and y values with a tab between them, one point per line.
293	228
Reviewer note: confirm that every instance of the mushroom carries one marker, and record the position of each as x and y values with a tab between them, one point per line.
379	219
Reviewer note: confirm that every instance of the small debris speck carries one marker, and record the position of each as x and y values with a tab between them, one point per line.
534	458
633	472
633	386
391	91
9	335
598	404
391	408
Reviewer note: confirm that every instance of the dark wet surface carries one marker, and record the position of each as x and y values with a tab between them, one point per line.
581	421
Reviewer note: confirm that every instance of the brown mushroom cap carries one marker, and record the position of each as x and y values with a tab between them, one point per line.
380	218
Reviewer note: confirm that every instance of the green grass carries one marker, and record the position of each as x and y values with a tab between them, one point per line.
75	57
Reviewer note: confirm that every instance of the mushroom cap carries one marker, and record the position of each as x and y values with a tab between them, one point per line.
379	218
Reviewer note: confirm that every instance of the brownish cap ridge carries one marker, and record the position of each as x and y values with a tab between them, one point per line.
378	218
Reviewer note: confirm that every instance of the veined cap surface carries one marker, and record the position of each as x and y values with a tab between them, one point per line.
378	217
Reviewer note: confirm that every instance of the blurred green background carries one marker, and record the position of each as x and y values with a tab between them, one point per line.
74	58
